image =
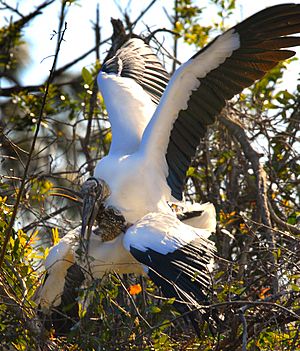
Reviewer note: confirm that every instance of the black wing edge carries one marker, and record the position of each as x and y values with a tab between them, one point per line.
262	36
183	275
135	59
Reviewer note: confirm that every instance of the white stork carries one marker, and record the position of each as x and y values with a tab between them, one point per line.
151	150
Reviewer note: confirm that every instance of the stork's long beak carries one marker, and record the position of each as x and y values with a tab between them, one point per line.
94	192
91	193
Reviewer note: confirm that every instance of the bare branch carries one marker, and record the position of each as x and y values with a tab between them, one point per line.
175	45
280	222
133	24
45	218
25	19
238	132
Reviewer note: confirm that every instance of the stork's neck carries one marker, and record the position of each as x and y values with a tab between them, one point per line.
129	109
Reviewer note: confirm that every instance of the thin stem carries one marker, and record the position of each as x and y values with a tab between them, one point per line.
175	37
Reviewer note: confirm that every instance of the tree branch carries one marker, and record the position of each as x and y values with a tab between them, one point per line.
291	228
29	88
142	14
238	132
23	182
25	19
245	327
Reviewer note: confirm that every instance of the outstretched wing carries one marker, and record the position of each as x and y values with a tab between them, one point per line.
176	257
132	83
200	88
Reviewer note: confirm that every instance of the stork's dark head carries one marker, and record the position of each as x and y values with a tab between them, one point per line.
93	192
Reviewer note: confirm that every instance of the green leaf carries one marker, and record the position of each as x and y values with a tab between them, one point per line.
171	300
295	287
87	76
155	309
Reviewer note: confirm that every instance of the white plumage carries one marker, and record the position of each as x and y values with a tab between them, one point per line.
163	233
152	147
136	168
129	114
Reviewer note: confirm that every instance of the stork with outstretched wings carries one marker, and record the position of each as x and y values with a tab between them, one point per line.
156	126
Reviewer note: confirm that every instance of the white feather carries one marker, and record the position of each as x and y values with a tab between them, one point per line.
129	108
60	258
110	256
134	191
163	233
206	220
175	98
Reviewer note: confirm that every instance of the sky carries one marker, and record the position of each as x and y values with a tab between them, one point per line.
79	37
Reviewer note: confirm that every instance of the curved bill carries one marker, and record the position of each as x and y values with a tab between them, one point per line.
93	192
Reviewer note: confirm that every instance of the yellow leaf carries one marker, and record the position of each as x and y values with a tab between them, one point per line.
33	237
55	236
285	202
178	26
108	138
190	171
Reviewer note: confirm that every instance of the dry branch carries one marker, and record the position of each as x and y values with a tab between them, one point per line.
238	132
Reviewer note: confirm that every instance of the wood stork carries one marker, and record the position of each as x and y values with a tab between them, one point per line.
153	142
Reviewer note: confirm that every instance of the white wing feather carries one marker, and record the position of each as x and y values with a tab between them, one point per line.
175	98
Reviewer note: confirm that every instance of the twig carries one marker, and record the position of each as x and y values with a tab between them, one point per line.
285	234
252	304
87	53
142	14
159	30
85	142
97	33
132	301
11	177
175	37
291	228
45	218
23	182
31	88
81	57
92	103
17	309
245	328
19	279
12	9
25	19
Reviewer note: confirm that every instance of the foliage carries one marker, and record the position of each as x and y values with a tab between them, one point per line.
257	279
